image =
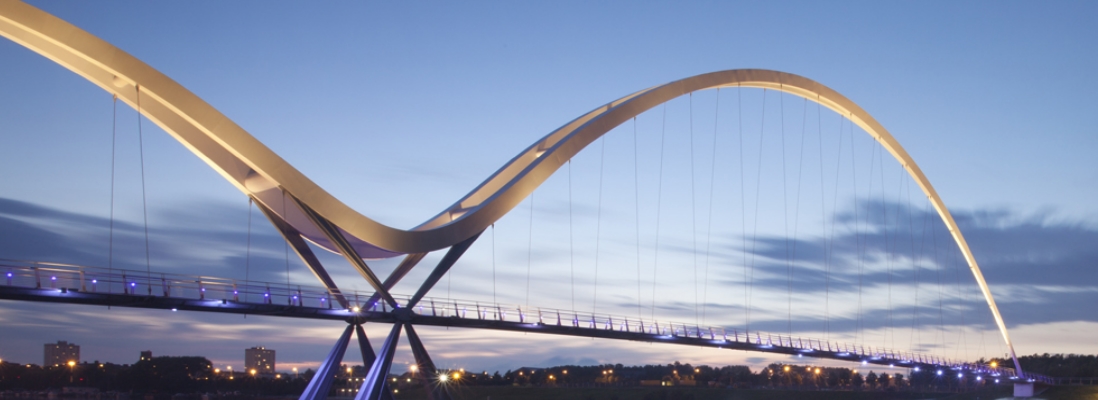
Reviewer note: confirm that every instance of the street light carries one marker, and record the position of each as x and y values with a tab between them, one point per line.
72	366
295	372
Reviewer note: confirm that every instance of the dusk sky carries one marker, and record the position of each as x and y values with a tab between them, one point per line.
399	109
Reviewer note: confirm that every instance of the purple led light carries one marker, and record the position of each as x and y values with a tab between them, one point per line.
133	284
203	289
53	278
266	295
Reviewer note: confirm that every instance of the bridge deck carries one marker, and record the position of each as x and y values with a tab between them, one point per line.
70	284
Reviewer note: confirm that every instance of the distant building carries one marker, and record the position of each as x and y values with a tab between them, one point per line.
61	353
146	355
261	359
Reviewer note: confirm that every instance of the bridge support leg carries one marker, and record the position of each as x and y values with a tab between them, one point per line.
444	265
296	242
322	380
434	392
368	356
374	384
1023	389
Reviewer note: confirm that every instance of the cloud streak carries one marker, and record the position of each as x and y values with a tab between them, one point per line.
868	273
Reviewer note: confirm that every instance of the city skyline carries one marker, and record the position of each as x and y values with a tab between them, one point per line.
1023	200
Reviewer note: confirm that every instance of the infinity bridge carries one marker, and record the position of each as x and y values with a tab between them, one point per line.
305	216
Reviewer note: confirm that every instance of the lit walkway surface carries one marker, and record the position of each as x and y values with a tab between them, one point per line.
64	283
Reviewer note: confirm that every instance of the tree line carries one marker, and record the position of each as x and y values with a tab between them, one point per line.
1056	365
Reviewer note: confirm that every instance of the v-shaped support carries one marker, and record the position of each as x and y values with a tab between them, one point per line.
340	242
374	384
368	356
406	265
423	360
451	257
322	381
294	239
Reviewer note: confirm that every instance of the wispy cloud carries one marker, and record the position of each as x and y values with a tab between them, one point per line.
1039	267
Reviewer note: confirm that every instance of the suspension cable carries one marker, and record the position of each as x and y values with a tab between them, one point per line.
865	234
895	245
144	203
823	214
785	217
834	225
857	231
598	227
530	250
709	225
285	243
248	253
494	264
114	147
912	339
659	201
966	299
636	215
938	271
571	241
797	204
743	207
755	228
693	211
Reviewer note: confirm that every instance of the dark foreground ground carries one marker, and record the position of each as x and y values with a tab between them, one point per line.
529	393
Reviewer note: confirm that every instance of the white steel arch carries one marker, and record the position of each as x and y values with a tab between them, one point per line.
258	172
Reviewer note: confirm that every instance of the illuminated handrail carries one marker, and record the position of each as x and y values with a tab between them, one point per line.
70	277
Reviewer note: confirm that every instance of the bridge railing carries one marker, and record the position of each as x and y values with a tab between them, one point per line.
670	330
70	277
79	278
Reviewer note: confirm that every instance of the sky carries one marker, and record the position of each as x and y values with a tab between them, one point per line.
400	109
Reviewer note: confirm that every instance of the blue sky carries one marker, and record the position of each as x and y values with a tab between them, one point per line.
400	109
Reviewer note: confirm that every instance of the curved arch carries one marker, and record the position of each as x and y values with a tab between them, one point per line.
258	172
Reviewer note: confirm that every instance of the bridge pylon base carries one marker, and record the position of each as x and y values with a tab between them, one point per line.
1023	389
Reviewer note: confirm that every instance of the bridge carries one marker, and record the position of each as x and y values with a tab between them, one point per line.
307	217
